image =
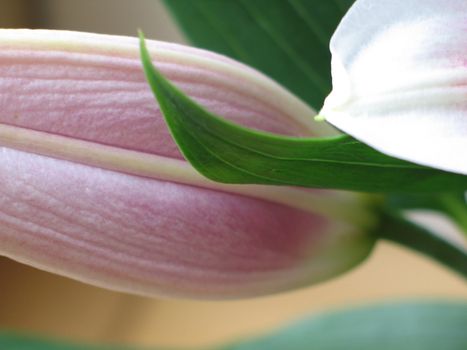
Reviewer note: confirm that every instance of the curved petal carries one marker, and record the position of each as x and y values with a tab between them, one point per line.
400	79
93	186
156	237
92	87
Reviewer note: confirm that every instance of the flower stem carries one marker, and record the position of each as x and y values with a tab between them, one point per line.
455	206
395	228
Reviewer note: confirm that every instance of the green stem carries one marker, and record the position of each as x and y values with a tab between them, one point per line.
395	228
455	206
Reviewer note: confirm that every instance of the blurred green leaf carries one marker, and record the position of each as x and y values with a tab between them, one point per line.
16	341
398	326
225	152
401	326
286	40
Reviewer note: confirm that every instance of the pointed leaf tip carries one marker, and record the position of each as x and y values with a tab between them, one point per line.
225	152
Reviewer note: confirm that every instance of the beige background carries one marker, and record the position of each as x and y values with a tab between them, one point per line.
38	302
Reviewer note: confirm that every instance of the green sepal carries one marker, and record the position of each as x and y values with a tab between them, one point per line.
228	153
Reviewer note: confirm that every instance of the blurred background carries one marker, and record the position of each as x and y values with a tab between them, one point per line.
40	303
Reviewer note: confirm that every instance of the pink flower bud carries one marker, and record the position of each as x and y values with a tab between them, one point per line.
94	188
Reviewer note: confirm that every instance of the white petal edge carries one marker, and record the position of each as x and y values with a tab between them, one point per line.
400	80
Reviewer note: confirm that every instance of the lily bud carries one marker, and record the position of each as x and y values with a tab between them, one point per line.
399	79
94	188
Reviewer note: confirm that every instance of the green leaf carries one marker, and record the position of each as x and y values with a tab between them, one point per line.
15	341
401	326
228	153
287	40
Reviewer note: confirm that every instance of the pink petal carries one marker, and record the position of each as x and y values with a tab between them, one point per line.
92	87
88	190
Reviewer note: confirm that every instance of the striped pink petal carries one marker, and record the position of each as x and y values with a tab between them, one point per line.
94	188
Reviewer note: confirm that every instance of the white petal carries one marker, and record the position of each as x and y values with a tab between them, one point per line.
400	79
